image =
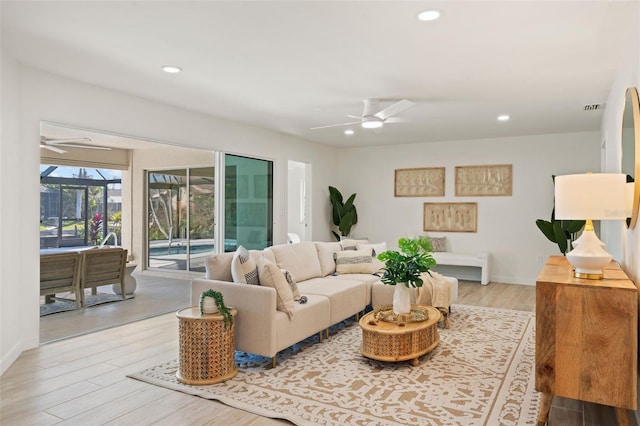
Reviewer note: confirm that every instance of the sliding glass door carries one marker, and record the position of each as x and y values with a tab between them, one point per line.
181	212
180	218
248	206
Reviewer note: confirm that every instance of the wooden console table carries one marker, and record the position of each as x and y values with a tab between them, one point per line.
586	338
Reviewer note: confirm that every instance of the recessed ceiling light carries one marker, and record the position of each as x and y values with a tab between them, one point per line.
171	69
349	132
429	15
503	117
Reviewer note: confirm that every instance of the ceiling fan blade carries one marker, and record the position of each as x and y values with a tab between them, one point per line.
103	148
396	120
354	116
335	125
52	148
63	140
394	109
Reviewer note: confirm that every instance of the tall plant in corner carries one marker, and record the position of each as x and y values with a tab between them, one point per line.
343	213
561	232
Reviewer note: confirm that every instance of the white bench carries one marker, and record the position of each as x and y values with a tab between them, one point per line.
479	260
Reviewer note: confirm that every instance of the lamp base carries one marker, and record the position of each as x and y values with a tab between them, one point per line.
589	257
588	276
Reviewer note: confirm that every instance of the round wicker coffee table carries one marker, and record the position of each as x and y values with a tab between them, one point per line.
385	340
207	348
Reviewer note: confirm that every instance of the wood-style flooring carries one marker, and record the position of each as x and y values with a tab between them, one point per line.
82	380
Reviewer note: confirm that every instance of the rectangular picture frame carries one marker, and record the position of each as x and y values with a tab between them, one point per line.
419	182
484	180
450	217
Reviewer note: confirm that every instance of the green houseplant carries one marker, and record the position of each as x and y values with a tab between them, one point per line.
404	267
343	213
561	232
224	310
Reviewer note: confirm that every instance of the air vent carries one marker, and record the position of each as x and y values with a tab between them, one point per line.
593	107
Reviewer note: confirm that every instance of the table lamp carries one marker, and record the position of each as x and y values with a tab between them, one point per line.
591	196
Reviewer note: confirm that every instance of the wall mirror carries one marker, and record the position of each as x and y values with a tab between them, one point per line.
631	148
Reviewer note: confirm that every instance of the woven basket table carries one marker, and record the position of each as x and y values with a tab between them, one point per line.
389	341
207	348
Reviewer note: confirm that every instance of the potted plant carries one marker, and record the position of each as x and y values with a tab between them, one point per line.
211	302
561	232
403	269
343	213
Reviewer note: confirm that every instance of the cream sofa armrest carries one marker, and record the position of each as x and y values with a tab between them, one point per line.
256	306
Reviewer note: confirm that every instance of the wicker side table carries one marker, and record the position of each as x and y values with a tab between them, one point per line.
207	348
388	341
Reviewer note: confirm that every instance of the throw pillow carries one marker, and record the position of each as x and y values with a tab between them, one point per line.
376	249
273	277
243	267
292	284
438	243
325	256
351	244
354	262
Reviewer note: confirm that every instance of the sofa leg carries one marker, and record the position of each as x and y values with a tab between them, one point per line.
320	336
357	316
327	333
273	362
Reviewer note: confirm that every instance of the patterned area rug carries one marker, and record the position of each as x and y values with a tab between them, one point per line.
482	373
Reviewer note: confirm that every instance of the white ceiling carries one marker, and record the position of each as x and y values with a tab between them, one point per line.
292	65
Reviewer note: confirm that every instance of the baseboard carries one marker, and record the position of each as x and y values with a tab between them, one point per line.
16	350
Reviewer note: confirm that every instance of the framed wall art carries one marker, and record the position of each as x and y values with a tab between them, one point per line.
450	217
492	180
421	182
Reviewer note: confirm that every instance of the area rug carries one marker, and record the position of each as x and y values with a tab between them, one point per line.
482	373
68	303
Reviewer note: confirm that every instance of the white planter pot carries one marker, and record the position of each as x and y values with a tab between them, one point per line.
209	305
402	299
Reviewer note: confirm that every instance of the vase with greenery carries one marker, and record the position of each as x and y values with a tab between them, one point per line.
403	268
207	308
343	213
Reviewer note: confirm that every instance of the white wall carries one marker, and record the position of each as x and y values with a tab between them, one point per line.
506	225
30	96
628	75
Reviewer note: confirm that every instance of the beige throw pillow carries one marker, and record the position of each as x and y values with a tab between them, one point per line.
300	259
376	249
438	243
354	262
325	256
273	277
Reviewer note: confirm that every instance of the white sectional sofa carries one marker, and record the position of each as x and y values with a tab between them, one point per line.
263	329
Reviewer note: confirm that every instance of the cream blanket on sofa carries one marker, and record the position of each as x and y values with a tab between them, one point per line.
436	292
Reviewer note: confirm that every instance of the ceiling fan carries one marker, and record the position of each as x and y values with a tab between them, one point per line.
53	144
373	117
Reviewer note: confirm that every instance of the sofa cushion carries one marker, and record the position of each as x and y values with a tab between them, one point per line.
326	258
273	277
243	267
218	267
354	262
300	259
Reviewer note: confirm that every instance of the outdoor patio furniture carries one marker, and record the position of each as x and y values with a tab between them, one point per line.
60	273
101	267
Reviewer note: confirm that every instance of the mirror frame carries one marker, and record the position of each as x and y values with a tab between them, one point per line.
631	96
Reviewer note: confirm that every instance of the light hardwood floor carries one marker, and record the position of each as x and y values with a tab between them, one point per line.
82	380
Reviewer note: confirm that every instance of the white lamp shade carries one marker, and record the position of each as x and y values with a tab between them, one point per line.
594	196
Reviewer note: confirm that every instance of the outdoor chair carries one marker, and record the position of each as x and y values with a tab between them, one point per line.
60	273
101	267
